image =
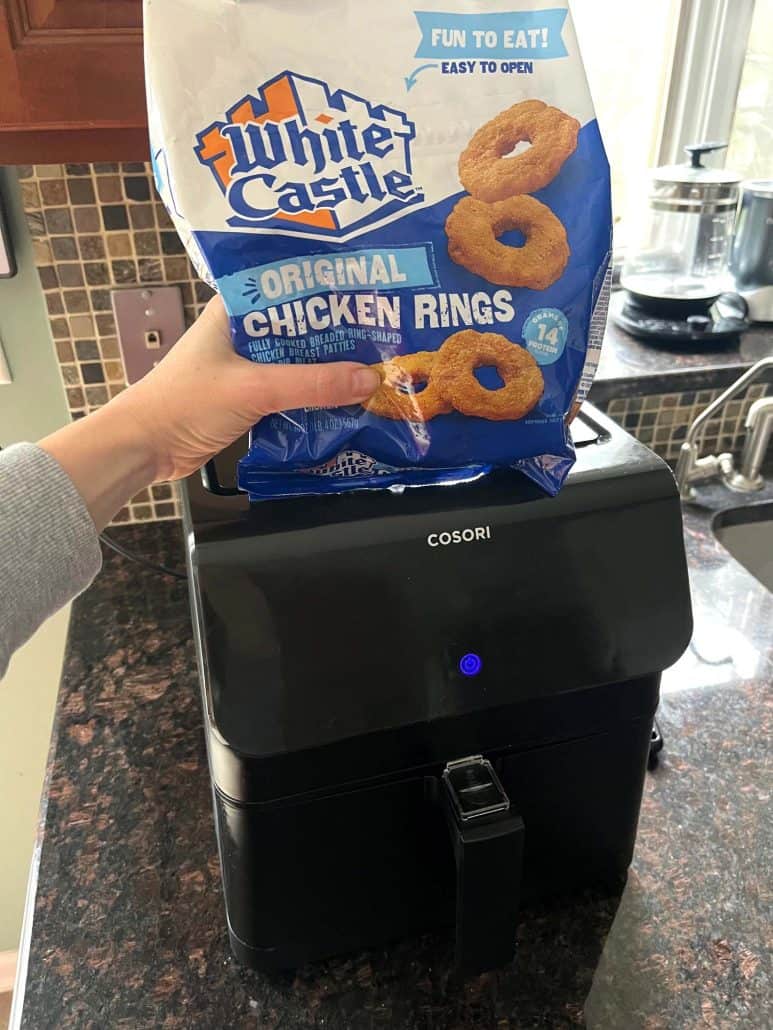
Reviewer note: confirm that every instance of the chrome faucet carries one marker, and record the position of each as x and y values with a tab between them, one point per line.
691	468
759	427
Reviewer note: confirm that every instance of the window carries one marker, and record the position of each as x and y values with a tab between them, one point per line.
664	73
751	148
628	50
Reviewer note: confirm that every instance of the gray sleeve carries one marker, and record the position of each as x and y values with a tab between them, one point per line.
49	547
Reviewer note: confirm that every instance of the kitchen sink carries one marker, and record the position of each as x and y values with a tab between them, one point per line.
747	533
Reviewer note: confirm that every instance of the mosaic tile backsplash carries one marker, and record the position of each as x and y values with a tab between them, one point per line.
661	421
99	227
95	228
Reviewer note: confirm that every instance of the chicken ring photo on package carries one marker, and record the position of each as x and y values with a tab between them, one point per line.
488	173
398	396
464	353
474	228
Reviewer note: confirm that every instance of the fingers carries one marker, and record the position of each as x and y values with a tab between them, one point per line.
286	387
271	388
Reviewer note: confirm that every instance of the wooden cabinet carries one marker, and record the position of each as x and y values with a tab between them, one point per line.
71	81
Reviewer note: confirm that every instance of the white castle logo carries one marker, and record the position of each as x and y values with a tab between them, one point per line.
301	159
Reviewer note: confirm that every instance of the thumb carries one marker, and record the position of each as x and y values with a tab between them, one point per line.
286	387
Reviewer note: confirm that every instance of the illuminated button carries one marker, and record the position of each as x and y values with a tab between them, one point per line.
470	665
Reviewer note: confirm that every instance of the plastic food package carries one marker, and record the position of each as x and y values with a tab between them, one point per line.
425	191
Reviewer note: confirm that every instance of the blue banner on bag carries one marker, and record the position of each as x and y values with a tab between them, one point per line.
394	268
532	35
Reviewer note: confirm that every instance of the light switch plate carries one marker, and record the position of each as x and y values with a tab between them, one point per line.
150	321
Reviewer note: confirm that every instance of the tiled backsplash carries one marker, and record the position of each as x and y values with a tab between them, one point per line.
661	421
97	227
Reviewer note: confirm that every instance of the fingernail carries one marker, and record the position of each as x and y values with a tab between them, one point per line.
365	383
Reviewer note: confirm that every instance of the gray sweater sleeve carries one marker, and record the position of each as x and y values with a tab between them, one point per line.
49	547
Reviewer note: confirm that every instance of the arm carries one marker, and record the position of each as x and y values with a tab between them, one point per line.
201	398
49	549
55	498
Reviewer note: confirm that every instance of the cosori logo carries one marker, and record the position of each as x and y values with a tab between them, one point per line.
459	536
307	160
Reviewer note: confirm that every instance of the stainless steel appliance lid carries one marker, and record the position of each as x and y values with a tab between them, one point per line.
694	172
758	187
685	174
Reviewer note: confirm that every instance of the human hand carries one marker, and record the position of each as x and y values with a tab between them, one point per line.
197	401
203	395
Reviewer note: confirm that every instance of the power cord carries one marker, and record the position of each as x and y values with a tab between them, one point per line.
131	556
656	746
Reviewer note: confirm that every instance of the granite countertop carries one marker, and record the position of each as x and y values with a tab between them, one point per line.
126	928
631	368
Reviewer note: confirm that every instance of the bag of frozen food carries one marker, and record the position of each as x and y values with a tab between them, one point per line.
425	191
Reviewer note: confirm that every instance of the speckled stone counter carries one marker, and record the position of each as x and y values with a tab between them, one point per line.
632	368
126	928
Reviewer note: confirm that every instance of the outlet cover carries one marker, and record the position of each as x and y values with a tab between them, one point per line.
150	321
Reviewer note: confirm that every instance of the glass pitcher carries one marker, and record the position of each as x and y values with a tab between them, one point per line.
682	247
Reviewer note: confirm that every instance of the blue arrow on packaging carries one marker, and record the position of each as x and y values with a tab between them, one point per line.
411	81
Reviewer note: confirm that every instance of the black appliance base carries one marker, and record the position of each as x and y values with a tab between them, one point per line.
311	878
692	324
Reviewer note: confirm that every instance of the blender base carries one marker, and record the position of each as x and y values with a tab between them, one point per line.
693	324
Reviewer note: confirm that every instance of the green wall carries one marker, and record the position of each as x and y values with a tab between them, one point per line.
33	405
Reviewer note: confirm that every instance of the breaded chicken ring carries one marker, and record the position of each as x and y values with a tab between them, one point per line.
473	228
488	175
454	376
397	397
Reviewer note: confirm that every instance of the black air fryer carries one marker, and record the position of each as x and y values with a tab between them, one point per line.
423	710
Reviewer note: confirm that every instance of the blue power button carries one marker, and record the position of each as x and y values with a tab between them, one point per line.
471	665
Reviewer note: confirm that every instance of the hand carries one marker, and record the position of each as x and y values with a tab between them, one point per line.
197	401
203	396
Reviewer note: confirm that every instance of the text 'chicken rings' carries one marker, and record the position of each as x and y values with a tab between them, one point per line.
398	398
489	174
474	228
454	376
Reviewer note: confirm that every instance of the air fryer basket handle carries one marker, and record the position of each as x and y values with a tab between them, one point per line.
488	851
